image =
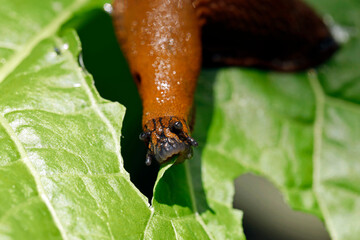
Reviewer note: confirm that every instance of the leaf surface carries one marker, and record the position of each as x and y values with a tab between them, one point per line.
300	131
62	175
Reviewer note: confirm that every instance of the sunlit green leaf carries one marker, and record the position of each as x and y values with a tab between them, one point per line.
62	176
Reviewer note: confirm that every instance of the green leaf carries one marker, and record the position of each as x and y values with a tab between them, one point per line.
300	131
60	161
62	176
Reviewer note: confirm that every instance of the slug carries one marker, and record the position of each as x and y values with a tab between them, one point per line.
166	42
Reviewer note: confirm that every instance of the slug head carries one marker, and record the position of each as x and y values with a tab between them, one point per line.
165	138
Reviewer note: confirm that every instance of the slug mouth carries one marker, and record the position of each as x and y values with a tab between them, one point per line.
167	137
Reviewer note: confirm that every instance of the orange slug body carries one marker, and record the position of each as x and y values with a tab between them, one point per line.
167	41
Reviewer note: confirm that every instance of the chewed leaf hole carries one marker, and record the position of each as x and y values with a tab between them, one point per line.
267	216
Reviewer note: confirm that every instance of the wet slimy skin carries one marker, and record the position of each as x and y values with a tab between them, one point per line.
167	41
161	40
166	137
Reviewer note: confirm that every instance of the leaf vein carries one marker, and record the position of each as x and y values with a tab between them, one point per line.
320	98
96	108
148	223
36	176
47	31
193	199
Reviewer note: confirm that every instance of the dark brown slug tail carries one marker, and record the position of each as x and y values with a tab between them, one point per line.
282	35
